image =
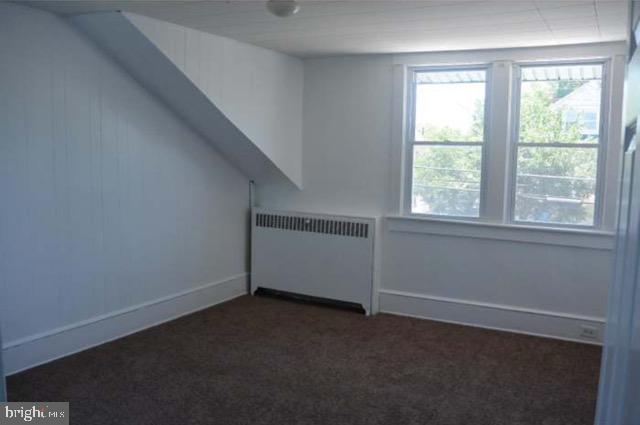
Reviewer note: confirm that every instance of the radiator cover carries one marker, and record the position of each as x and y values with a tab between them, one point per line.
317	255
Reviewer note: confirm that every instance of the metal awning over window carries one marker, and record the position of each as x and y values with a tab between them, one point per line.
562	72
450	77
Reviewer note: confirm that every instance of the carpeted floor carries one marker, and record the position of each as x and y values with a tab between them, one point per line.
257	360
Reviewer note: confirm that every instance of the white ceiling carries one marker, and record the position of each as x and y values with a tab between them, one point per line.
326	27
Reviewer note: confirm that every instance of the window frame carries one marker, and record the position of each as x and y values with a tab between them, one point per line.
410	142
514	143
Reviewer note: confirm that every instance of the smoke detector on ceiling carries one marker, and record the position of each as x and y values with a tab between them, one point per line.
283	8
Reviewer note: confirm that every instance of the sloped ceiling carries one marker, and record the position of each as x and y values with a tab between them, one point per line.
254	122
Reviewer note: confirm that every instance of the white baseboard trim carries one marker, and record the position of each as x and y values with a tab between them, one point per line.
25	353
542	323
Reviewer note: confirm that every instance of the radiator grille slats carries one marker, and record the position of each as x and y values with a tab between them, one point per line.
314	225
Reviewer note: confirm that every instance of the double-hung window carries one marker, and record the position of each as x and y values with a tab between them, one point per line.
539	162
446	138
557	144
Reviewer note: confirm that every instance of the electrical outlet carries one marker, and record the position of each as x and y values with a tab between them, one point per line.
587	331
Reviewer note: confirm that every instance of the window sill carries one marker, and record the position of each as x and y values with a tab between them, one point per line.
580	238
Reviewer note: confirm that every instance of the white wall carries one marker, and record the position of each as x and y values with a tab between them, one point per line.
257	89
346	134
114	214
476	279
351	166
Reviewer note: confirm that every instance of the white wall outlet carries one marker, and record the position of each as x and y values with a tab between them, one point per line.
587	331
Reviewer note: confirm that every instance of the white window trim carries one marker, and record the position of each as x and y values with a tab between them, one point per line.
410	142
500	140
602	144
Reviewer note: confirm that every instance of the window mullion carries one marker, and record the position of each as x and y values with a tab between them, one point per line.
497	141
409	147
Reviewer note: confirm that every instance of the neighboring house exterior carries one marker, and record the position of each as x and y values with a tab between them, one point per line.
582	106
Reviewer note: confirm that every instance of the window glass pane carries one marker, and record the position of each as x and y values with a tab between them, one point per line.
449	106
556	185
560	103
446	180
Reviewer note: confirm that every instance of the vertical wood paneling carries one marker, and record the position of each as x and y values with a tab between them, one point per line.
259	90
108	200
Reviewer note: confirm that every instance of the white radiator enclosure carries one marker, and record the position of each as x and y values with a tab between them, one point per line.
316	255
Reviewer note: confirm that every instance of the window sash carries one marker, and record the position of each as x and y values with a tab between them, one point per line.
600	145
429	143
412	142
450	191
559	144
552	193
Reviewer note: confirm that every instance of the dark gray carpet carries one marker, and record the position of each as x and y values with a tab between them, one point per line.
258	360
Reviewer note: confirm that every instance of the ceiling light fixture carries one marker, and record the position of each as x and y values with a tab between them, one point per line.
283	8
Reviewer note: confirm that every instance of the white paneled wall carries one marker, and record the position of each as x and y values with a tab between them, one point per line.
553	289
108	201
257	89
